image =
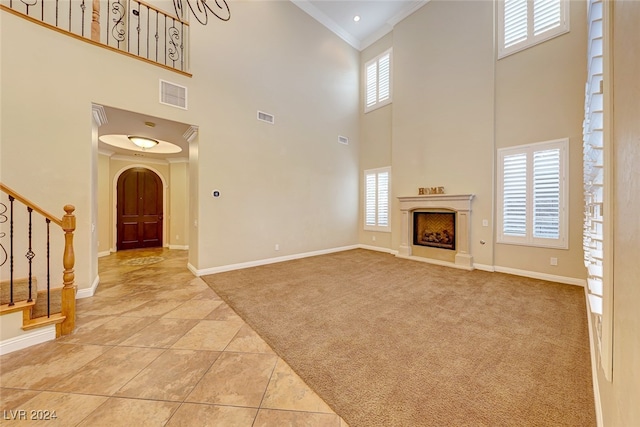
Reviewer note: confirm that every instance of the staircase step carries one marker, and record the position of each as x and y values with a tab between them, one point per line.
18	306
20	290
40	309
43	321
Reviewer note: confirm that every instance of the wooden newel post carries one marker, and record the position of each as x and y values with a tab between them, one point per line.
68	276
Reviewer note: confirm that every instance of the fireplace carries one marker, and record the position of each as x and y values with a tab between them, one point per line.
428	240
434	229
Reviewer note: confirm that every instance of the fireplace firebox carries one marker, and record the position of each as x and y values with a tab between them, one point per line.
434	229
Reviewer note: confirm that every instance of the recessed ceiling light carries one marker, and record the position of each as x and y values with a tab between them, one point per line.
356	18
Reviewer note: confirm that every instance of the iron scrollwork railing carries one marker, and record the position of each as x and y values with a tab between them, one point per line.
131	26
202	9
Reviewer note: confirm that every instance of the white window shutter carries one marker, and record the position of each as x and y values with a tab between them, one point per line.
546	194
372	84
370	199
383	199
384	78
515	22
515	195
546	15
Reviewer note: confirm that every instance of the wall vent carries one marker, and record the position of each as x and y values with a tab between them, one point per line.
173	94
266	117
343	140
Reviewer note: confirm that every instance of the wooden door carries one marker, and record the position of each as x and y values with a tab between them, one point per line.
139	209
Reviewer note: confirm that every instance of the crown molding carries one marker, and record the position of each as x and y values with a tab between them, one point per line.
319	16
107	153
140	159
173	160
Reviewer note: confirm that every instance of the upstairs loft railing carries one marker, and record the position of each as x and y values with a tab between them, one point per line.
131	27
20	230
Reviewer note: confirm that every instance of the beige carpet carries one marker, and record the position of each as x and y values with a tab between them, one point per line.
392	342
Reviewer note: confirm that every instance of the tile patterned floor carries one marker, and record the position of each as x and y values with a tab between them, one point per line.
157	347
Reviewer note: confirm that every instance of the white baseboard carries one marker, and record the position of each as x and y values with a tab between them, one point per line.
103	254
240	266
594	363
180	247
435	261
38	336
484	267
88	292
542	276
378	249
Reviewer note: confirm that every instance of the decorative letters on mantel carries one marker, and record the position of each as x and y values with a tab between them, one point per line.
458	203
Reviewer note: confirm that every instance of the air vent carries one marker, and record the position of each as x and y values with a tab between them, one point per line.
266	117
343	140
173	94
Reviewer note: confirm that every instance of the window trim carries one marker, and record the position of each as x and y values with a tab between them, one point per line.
531	39
376	227
562	242
378	103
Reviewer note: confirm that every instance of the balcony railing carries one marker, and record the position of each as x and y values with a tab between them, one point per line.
132	27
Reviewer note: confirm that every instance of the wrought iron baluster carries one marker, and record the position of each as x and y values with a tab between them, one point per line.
11	199
42	11
57	8
48	268
70	16
157	35
83	7
148	14
128	27
30	254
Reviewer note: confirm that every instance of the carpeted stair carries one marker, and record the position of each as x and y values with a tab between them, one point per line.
21	293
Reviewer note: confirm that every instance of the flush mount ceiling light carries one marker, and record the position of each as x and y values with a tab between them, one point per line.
356	18
143	142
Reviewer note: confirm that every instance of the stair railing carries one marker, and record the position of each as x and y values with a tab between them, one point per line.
67	224
130	27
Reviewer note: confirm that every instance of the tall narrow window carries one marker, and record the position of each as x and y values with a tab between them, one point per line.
524	23
377	184
378	81
532	194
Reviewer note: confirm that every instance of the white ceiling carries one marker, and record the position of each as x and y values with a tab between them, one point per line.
377	17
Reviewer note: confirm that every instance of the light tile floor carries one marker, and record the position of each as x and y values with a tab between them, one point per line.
156	346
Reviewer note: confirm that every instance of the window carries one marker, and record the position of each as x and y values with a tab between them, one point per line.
377	77
525	23
377	183
532	194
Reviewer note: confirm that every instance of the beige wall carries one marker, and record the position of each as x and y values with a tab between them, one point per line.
620	398
540	97
375	137
105	206
178	235
454	104
290	183
443	109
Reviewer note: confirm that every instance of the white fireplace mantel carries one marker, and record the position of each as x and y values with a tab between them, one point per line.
459	203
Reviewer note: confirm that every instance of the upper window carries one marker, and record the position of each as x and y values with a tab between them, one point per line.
377	77
377	183
532	194
524	23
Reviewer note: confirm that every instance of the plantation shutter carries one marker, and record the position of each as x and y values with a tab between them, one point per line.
377	75
376	199
383	199
546	15
546	194
515	195
372	84
515	22
370	199
593	163
384	77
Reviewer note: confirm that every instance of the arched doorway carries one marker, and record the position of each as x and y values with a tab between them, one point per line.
139	209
